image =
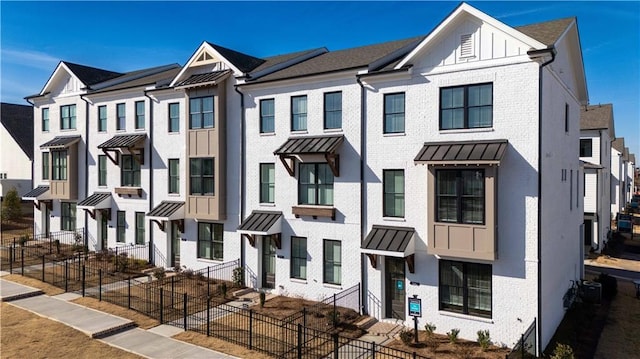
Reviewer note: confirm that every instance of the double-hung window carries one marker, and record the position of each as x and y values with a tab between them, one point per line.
465	288
68	117
121	226
102	170
130	171
45	119
332	262
468	106
333	110
202	176
68	216
45	165
267	116
140	227
201	112
59	165
174	117
394	113
210	240
393	186
299	257
586	149
140	114
299	113
102	118
174	175
315	184
267	182
460	196
121	117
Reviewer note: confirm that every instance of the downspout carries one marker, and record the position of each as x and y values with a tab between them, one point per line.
151	245
33	161
552	51
363	197
86	167
242	170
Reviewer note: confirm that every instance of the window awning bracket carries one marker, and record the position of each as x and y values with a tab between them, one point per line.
159	223
289	163
373	259
180	223
106	213
277	238
251	238
92	212
37	204
113	159
333	160
136	154
410	259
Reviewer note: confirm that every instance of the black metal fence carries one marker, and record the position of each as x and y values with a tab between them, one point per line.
526	346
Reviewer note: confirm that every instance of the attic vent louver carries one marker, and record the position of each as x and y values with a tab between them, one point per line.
204	57
466	45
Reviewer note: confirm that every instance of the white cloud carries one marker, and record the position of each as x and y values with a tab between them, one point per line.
34	59
524	12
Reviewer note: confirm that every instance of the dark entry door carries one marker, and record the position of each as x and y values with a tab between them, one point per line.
268	262
395	292
175	245
46	220
104	220
588	230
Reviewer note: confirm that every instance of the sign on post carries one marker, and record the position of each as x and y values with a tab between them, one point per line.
415	307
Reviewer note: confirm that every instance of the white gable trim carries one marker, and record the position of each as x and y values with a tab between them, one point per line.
61	67
192	60
468	9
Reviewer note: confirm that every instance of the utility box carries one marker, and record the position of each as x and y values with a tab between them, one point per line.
591	292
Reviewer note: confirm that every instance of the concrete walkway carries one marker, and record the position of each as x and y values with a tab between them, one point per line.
111	329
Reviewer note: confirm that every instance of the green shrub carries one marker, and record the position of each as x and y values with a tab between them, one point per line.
453	335
407	336
263	298
238	277
159	273
11	206
223	289
22	241
563	351
484	339
333	318
609	285
430	328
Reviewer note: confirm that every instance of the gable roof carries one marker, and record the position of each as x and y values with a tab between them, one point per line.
597	117
18	120
618	144
632	158
90	75
547	32
243	62
157	76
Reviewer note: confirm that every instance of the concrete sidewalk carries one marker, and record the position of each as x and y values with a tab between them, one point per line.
111	329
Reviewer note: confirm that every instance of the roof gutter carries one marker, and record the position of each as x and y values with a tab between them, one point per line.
243	164
535	54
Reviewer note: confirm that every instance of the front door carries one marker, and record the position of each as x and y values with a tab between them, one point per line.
588	230
175	245
268	262
395	292
104	224
46	220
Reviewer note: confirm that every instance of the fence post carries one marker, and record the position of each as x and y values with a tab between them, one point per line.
11	260
129	292
522	345
50	247
373	350
99	284
334	318
299	341
66	276
335	345
83	279
184	309
43	268
172	290
161	304
414	355
22	260
304	316
250	329
359	299
208	316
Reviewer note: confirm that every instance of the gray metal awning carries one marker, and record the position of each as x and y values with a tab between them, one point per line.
122	141
389	241
463	152
262	223
98	200
310	145
589	165
209	78
167	211
37	194
61	142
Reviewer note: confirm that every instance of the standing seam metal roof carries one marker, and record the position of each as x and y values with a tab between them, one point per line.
94	199
260	221
119	141
165	209
386	238
203	78
60	142
36	192
311	144
462	151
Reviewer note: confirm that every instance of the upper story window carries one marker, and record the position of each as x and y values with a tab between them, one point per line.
45	119
393	186
102	170
394	113
201	112
140	114
267	182
174	117
174	175
468	106
130	171
465	288
202	176
267	116
210	240
59	162
333	110
121	117
299	113
586	149
45	165
68	117
460	196
315	184
102	118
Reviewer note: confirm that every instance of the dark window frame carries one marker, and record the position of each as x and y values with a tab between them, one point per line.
586	151
264	192
315	184
140	227
201	177
136	168
45	119
394	194
465	106
102	118
388	115
174	179
46	166
459	196
300	114
68	216
332	111
212	241
467	270
201	113
68	123
333	263
121	227
59	165
140	118
267	117
121	116
174	122
102	172
298	258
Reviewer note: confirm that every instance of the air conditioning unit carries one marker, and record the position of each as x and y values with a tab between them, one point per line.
591	291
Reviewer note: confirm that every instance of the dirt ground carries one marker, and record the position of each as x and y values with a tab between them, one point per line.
48	289
439	347
141	320
620	337
219	345
26	335
10	230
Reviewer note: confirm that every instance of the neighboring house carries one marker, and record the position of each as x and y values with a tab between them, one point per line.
442	166
596	134
617	177
16	156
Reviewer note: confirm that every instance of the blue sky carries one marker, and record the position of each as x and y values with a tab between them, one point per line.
125	36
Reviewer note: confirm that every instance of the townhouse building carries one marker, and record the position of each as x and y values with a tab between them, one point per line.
596	136
617	176
16	136
443	167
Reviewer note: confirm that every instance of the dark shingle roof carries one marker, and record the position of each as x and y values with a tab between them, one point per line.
165	209
260	221
618	144
36	192
60	142
388	239
96	199
120	141
18	120
91	75
597	117
341	60
243	62
463	151
203	78
278	59
632	158
310	144
162	77
546	32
